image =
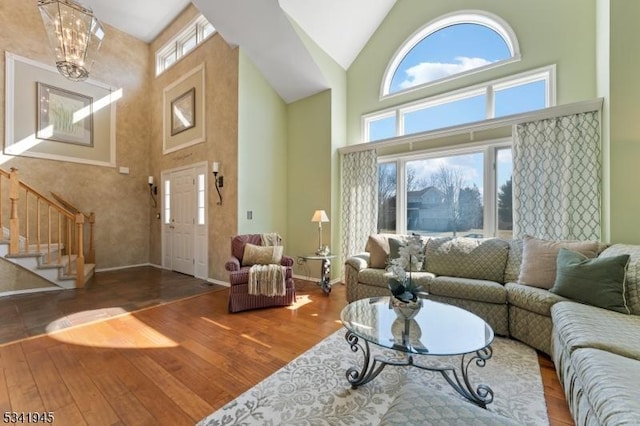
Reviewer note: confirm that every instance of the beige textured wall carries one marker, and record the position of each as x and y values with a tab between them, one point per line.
119	201
221	94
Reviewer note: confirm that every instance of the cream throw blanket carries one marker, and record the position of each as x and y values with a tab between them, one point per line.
267	280
271	239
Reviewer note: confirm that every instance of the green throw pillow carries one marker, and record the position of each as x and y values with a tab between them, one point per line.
598	282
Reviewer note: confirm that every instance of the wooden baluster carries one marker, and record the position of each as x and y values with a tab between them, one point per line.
91	258
14	220
38	221
68	243
27	240
59	238
1	210
80	250
49	234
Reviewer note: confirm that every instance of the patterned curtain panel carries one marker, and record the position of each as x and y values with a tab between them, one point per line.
557	178
359	200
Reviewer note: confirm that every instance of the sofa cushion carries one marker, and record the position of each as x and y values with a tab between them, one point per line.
538	267
514	260
469	289
598	282
378	248
380	278
583	326
610	383
467	257
532	299
632	281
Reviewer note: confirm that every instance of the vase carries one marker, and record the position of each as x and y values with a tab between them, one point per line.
405	310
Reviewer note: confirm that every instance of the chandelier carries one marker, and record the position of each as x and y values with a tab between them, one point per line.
74	34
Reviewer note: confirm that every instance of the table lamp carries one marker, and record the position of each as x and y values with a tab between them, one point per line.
320	216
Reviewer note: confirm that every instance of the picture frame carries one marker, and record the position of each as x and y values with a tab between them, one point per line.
183	112
63	115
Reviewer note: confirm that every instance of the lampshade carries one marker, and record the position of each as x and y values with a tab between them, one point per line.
320	216
74	34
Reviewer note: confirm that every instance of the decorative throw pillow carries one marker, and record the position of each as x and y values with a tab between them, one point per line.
481	259
261	255
597	282
538	267
378	249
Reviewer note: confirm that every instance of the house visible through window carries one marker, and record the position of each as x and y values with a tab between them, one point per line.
447	193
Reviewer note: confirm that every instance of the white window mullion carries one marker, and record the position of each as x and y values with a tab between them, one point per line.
491	102
401	197
490	198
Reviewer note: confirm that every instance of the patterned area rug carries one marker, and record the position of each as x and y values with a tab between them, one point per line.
313	390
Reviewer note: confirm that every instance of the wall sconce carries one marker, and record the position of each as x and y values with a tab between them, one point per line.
217	180
320	216
153	191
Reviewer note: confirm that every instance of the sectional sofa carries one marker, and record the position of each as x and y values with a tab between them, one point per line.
593	335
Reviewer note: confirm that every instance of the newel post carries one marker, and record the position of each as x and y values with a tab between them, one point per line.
80	247
14	220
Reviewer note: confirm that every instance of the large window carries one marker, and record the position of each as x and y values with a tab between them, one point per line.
464	192
519	93
449	47
184	42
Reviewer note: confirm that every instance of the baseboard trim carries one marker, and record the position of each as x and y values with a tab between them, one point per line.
30	290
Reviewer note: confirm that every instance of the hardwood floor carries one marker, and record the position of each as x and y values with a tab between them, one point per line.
168	362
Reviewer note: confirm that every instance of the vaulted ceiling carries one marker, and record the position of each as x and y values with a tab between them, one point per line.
264	30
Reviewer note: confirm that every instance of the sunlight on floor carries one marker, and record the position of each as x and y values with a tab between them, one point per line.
253	339
300	302
216	323
124	332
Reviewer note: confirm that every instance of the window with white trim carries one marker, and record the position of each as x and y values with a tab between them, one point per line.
449	47
519	93
455	192
202	199
167	201
194	33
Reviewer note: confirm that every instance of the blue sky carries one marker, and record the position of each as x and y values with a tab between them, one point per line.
450	50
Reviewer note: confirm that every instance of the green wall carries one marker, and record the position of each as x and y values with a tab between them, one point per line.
624	133
262	154
325	170
549	32
309	189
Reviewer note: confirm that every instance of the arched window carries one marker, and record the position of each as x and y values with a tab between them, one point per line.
452	45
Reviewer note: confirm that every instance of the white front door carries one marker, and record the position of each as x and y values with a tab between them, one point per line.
183	221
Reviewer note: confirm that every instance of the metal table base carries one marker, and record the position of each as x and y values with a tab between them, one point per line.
458	378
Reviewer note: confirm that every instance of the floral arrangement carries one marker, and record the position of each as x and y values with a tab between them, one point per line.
411	256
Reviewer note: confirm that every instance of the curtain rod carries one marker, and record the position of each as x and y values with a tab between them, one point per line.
492	123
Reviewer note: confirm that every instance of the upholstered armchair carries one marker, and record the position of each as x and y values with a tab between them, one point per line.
239	297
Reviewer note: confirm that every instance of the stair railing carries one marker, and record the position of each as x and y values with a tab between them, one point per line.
36	220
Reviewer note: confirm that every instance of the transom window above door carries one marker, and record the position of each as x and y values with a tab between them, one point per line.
450	46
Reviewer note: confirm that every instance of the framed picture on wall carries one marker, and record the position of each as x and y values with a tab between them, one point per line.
63	115
183	112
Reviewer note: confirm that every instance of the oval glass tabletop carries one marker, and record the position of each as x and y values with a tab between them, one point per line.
437	329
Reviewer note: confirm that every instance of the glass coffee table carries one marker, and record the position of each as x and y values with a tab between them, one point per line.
437	330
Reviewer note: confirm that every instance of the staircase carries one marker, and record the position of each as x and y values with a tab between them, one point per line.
43	235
